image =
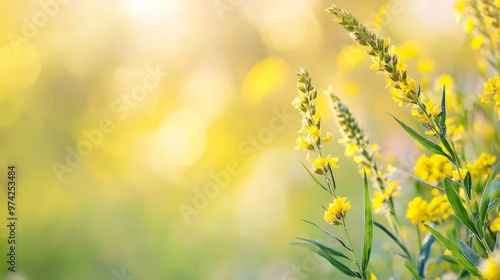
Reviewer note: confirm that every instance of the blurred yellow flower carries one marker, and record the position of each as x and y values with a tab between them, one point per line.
322	164
495	226
460	173
432	169
477	42
490	268
314	131
426	65
337	210
422	212
327	138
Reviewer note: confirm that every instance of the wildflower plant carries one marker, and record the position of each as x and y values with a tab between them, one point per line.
455	211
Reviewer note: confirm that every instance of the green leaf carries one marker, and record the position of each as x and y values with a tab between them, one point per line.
449	259
436	149
325	248
488	192
442	114
314	178
468	185
468	253
424	254
494	204
412	271
455	250
368	240
337	264
408	174
394	238
458	207
330	234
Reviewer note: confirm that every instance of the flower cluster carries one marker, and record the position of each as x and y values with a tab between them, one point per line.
311	137
385	60
432	169
482	167
364	153
492	92
337	210
423	212
481	19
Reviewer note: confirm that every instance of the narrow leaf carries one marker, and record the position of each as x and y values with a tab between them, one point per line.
425	252
394	238
458	207
337	264
455	250
330	234
494	204
436	149
412	271
468	185
488	192
442	117
313	177
468	253
325	248
368	240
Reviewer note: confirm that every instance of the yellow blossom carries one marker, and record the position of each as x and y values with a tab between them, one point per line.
432	169
322	164
337	210
495	226
460	173
351	149
490	268
303	143
327	138
477	42
314	131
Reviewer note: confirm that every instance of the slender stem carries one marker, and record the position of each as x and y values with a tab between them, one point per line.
353	251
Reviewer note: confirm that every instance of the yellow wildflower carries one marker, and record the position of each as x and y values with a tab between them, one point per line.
327	138
303	143
495	226
490	268
432	169
460	173
337	210
314	131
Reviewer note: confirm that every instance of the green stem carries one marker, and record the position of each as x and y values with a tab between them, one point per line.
352	252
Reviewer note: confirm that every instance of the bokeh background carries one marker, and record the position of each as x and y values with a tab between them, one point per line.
154	138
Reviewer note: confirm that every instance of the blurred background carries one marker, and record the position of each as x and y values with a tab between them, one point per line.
155	139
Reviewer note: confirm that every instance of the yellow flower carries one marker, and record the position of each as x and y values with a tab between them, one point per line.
351	150
336	211
460	173
378	202
482	167
495	226
490	268
303	143
469	25
477	42
321	163
327	138
314	131
432	169
497	3
426	65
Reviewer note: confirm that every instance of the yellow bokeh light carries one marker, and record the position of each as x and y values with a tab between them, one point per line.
264	77
179	141
20	65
